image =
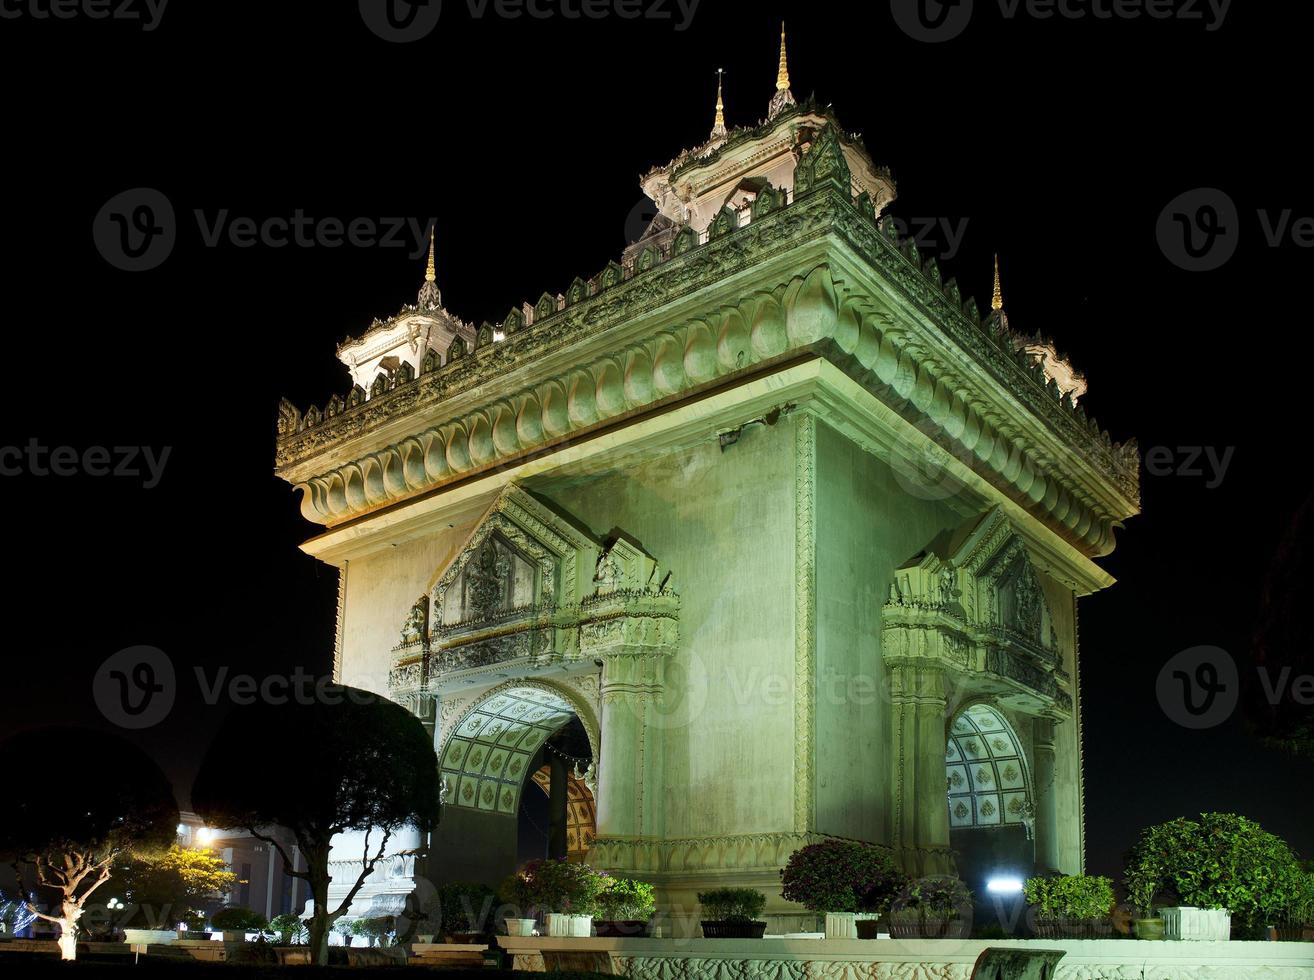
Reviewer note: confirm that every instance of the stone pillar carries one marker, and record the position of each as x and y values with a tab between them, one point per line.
629	683
1044	796
557	798
919	817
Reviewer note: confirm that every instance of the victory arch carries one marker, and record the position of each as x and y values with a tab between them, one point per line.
761	534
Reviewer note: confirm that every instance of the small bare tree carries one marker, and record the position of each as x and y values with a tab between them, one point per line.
66	827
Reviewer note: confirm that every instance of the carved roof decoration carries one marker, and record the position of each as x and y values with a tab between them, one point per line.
920	348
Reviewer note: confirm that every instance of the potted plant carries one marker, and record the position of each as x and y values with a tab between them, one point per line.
235	921
464	912
288	929
376	930
346	929
1224	875
1295	921
565	890
731	913
840	880
1070	906
936	907
525	894
625	907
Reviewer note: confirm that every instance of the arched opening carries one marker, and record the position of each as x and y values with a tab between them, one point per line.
516	773
989	799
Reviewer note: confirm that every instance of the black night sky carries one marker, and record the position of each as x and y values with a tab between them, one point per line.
1055	142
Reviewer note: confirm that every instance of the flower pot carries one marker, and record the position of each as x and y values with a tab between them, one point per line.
234	935
1293	932
919	924
1148	928
520	927
465	938
570	926
1186	922
621	928
733	930
292	955
841	925
872	928
1064	927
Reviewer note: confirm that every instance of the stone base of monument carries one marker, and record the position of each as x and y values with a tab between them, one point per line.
903	959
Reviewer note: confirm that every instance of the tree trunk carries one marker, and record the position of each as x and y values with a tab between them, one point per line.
320	923
68	930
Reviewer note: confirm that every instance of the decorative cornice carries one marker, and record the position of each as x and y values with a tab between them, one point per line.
644	340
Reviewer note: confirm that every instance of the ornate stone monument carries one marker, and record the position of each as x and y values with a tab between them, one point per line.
791	531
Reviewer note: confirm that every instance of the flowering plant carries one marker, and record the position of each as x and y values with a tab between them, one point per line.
842	876
555	885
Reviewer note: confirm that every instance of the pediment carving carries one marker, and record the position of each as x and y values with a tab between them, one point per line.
531	587
972	601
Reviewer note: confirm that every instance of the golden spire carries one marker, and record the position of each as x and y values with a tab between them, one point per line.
997	300
782	79
430	274
718	127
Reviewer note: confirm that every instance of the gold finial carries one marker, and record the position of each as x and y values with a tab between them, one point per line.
997	300
782	79
430	274
718	127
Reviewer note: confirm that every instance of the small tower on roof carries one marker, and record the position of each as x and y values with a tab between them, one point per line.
430	298
718	126
997	297
783	98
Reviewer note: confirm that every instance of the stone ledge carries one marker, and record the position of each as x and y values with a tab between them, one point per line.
926	959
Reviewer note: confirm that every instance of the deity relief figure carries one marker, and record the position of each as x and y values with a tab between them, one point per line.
1027	602
416	628
607	573
485	580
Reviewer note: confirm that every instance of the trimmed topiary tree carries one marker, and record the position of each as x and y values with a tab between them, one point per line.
369	766
64	826
1220	861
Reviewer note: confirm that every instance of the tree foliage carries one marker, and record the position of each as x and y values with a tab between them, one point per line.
368	766
1220	861
173	885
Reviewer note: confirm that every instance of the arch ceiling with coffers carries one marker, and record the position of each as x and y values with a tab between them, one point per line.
986	771
488	755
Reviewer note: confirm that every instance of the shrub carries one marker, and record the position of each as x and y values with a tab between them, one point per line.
732	904
377	929
235	917
942	897
1221	861
624	899
842	876
1070	896
288	929
554	885
465	906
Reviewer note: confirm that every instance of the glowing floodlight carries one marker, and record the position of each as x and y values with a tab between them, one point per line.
1004	886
